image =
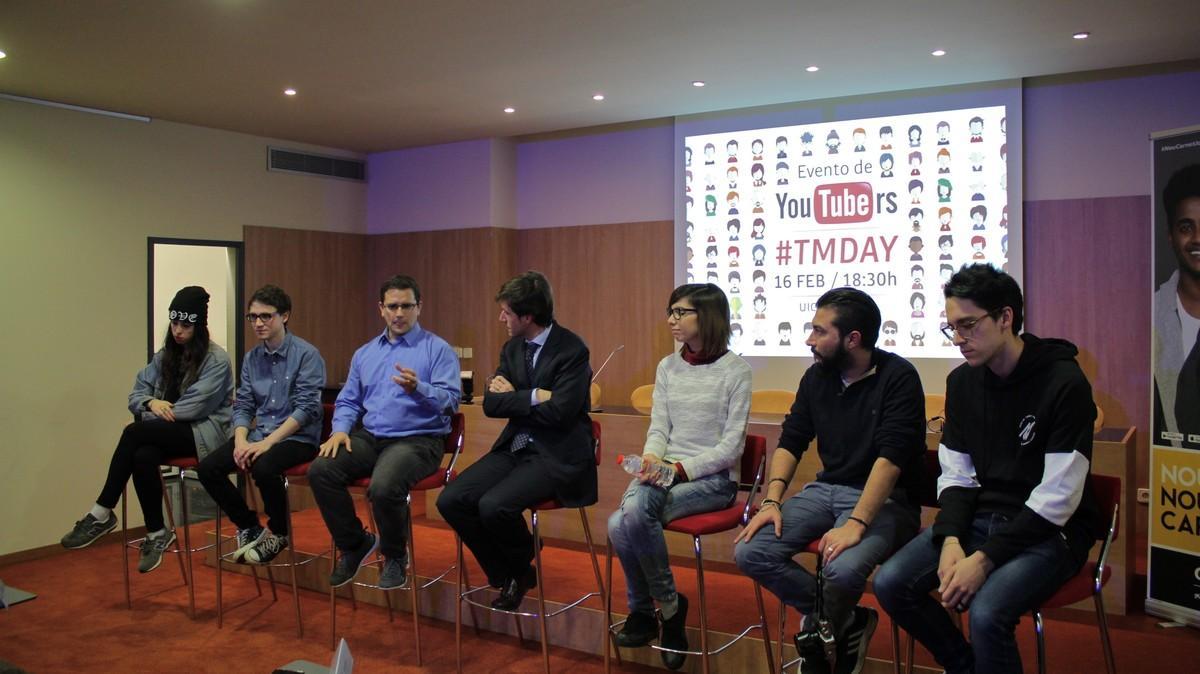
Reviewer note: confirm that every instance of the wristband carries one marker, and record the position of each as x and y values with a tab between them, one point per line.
852	518
146	404
768	502
778	479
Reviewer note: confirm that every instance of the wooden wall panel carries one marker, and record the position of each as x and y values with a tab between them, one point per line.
324	273
459	272
611	285
1087	279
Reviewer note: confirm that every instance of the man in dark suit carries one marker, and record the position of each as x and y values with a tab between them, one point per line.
546	451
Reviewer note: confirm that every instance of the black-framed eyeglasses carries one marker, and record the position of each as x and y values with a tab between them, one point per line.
679	312
264	318
966	327
401	306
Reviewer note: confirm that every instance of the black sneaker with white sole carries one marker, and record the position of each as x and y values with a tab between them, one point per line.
87	531
267	548
852	646
246	539
152	550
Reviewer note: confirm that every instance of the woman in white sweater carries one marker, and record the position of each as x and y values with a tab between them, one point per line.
698	429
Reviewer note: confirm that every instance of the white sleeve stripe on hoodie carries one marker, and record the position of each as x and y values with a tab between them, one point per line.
957	470
1058	494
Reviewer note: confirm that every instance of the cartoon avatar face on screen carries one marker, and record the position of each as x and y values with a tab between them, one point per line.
832	141
914	136
710	152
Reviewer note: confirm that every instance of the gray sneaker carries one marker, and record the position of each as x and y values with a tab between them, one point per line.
350	561
393	574
87	531
246	539
152	551
268	547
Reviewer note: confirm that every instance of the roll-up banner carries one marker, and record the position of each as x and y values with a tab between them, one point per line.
1173	585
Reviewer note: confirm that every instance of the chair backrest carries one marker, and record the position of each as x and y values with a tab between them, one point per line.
326	421
596	439
642	398
928	495
595	394
772	401
453	444
1106	489
754	463
935	406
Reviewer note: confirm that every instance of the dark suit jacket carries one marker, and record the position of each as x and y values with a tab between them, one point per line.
561	428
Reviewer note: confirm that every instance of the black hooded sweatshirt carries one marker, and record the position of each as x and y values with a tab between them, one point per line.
1022	447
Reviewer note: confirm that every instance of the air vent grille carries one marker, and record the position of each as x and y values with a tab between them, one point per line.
315	164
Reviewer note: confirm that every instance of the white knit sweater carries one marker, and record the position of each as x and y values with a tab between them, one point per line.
700	414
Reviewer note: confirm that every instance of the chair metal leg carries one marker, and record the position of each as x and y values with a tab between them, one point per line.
766	632
414	597
704	664
171	522
254	505
537	555
609	640
458	602
1039	630
1102	622
332	598
911	655
187	547
220	566
125	544
292	556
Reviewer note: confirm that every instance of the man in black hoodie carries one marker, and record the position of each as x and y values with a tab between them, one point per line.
1016	518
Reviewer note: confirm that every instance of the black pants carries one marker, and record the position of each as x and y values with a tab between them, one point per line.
143	447
486	506
394	466
267	470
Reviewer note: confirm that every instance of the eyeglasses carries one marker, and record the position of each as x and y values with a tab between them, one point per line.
679	312
966	327
401	306
265	318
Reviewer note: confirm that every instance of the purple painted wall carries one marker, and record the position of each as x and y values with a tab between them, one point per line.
625	176
1091	139
430	188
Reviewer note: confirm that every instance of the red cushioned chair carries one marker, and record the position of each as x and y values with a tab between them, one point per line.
754	461
295	472
184	554
1092	578
541	614
435	480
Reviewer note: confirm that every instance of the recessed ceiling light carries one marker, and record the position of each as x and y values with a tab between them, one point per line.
812	69
598	97
289	92
938	52
697	83
510	110
1082	35
2	54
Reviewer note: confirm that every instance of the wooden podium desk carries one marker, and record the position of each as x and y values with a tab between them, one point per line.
624	431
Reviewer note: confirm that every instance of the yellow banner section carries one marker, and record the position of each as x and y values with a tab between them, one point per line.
1174	492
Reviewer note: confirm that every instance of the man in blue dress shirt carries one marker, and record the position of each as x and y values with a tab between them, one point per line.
276	425
404	385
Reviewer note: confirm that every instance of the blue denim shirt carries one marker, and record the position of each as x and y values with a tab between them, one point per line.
281	384
389	411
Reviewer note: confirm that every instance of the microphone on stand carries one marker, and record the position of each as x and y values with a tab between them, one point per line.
595	407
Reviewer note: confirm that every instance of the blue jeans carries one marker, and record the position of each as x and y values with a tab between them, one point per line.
636	532
904	583
818	508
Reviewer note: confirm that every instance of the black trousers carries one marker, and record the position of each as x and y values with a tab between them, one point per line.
394	466
267	471
143	447
486	506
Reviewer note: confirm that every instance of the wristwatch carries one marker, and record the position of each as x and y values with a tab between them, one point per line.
146	404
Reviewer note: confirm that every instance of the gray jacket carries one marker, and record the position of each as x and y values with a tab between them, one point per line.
206	402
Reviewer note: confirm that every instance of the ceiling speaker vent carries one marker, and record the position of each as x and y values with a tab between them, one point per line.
291	161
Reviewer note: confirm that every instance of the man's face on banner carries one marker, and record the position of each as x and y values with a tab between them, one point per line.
1185	236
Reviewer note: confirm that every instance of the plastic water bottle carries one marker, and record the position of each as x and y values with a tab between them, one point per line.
663	474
